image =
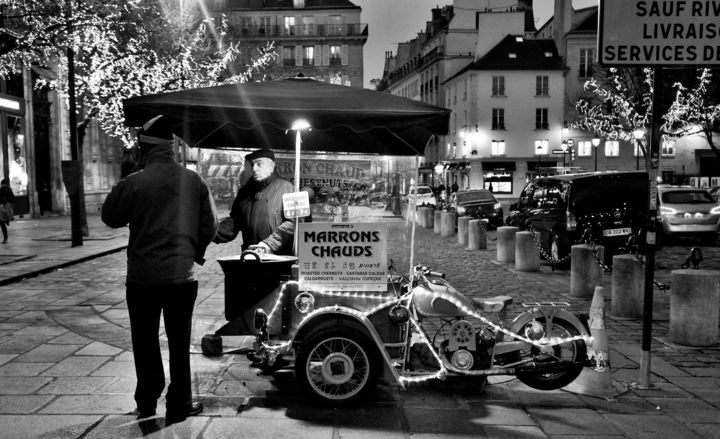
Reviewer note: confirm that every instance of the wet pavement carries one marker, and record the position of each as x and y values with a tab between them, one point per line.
66	367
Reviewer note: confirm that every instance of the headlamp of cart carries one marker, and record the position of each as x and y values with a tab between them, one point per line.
305	302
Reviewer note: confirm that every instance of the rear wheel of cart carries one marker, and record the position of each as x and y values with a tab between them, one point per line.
338	366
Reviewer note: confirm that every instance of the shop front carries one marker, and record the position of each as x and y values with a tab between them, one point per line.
13	154
498	176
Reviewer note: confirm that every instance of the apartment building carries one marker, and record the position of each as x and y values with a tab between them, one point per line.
506	115
448	45
322	39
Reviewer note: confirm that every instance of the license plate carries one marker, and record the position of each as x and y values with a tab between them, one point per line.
617	232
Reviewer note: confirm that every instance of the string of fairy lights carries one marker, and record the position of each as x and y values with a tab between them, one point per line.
407	298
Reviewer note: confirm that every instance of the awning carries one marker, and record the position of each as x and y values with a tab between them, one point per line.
498	166
534	165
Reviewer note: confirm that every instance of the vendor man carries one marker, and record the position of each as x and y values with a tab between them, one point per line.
257	211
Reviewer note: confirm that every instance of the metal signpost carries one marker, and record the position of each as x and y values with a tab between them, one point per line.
669	33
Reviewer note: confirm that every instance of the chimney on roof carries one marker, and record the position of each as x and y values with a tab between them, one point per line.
561	24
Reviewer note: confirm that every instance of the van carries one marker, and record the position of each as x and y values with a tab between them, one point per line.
603	208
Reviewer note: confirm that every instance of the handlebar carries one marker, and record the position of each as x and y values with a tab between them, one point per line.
435	274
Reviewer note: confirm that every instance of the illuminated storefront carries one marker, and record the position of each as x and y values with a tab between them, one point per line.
498	176
13	152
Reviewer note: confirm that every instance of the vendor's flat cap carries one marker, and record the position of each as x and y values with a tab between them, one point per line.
156	131
261	153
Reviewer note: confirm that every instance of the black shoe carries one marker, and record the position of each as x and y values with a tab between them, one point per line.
178	415
145	413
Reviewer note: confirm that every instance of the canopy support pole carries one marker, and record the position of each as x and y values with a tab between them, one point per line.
298	141
412	227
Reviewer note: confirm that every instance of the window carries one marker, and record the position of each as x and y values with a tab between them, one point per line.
289	25
498	86
586	63
335	56
447	94
584	148
465	90
497	147
541	118
454	93
308	55
541	86
335	27
498	118
308	25
288	55
264	24
612	148
542	146
668	147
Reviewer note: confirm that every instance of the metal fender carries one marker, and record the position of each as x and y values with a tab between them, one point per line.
526	317
332	316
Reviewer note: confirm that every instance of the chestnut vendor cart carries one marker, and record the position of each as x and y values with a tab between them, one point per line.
338	312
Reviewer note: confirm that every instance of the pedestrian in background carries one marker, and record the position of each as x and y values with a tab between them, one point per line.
172	220
7	198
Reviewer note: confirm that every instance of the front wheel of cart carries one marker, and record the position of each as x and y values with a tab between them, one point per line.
338	366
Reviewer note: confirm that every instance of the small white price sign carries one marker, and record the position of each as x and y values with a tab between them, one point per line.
296	205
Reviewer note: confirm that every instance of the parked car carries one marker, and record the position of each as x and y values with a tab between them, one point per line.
425	196
611	206
477	203
687	210
715	193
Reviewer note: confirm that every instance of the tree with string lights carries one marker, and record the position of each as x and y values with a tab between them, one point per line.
123	49
696	110
619	101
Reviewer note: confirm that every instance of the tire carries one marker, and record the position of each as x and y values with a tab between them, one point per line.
337	366
573	352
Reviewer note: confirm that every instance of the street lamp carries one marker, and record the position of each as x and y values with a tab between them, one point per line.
639	134
595	143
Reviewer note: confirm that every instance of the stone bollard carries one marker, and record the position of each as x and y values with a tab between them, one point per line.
527	255
476	238
437	222
585	272
429	218
420	217
628	286
506	243
694	300
462	229
447	224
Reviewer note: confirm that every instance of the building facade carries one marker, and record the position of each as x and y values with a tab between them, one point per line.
506	115
451	41
322	39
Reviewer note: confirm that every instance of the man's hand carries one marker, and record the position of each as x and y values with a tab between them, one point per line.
260	247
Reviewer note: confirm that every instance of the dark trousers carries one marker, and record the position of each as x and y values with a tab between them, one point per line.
145	303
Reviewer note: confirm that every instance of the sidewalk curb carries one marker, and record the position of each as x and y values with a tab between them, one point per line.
50	268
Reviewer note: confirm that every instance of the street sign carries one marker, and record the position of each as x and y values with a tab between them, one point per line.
558	151
570	142
659	33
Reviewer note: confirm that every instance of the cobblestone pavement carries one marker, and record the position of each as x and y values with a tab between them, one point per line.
66	366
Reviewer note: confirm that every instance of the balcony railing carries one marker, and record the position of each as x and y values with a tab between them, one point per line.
302	30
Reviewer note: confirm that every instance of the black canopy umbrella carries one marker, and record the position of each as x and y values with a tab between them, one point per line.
260	114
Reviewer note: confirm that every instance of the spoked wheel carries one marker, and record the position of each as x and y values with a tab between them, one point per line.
337	366
557	366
